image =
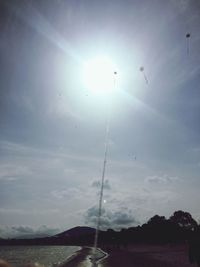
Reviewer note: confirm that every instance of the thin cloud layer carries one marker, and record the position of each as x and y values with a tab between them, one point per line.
165	179
27	231
97	184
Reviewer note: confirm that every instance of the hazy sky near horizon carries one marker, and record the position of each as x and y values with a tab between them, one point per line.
52	129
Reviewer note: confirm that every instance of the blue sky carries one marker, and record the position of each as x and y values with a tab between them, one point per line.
53	128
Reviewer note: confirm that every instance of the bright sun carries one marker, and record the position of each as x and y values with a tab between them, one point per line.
100	74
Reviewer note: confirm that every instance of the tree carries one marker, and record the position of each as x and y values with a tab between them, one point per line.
156	220
183	219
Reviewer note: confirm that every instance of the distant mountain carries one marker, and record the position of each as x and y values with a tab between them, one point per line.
76	232
77	235
31	236
71	233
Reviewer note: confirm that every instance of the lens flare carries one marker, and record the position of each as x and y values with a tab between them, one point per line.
99	75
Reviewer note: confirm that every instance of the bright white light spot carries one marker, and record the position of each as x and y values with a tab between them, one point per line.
100	75
104	201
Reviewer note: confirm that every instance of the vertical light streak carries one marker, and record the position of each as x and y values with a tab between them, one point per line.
94	260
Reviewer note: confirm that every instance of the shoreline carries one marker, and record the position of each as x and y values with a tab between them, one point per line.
83	257
77	257
133	256
71	257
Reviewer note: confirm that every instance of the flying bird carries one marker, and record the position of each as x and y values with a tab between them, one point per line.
145	77
188	35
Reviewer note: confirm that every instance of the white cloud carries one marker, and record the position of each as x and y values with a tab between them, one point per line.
70	193
13	171
18	150
110	219
164	179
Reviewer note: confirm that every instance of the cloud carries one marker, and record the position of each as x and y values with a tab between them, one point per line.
181	5
69	193
19	150
110	219
142	202
22	229
4	211
97	184
196	149
27	231
165	179
27	212
12	171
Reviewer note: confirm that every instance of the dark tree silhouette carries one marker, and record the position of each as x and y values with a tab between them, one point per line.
183	219
156	220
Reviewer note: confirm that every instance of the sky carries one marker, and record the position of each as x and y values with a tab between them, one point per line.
52	127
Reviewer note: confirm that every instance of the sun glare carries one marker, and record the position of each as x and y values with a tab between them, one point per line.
100	75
